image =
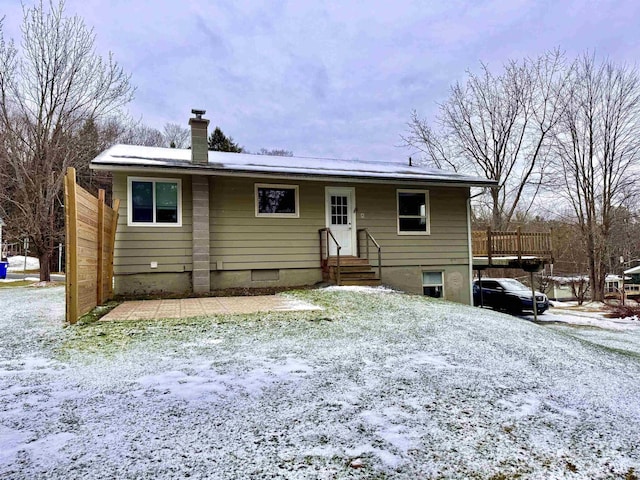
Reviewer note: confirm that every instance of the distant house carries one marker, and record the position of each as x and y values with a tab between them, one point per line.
613	285
193	220
563	288
634	274
632	282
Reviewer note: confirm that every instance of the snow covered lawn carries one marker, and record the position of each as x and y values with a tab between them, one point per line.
399	386
17	263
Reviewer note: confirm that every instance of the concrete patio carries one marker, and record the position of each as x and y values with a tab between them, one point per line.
203	307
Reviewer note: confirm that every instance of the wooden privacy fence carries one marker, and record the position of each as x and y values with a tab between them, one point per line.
518	244
90	228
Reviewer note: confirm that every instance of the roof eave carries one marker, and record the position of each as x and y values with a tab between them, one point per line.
209	170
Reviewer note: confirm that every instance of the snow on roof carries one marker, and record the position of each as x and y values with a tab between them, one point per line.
569	279
633	270
136	157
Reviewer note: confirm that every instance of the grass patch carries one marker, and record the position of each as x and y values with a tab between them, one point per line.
17	283
97	313
105	339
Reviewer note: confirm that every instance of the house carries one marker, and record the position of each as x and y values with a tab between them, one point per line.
632	279
191	220
565	288
613	285
634	274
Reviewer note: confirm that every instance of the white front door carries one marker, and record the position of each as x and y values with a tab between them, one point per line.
340	205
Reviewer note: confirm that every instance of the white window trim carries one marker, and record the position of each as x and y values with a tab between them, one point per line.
427	211
130	221
441	272
279	185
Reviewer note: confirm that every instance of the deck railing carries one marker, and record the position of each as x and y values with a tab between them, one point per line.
368	238
325	238
518	244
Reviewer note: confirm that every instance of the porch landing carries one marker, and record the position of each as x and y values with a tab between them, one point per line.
203	307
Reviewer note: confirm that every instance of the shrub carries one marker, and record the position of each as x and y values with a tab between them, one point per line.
617	310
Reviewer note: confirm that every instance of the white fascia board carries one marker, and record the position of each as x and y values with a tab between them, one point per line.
196	170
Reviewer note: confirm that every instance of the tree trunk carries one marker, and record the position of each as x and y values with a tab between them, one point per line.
496	214
45	266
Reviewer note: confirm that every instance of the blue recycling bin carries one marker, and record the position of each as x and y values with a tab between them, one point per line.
3	269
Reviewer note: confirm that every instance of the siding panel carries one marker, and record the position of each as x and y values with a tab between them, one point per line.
241	241
136	247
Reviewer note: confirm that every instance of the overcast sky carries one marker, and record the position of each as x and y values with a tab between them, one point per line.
331	79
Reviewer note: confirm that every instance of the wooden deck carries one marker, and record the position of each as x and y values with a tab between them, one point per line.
517	249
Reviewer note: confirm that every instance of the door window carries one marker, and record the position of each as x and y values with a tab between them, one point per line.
339	209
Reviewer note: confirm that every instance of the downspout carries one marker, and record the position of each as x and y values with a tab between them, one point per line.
470	249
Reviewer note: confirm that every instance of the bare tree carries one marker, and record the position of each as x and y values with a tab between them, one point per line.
598	147
176	136
579	288
498	127
50	87
277	152
139	134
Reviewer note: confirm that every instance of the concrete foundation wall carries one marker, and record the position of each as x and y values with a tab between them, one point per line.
409	279
258	279
157	282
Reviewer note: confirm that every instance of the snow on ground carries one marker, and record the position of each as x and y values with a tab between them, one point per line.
16	263
406	386
588	319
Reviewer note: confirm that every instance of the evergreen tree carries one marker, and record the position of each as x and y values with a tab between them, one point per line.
219	142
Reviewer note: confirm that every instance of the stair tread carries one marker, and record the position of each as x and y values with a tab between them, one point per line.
374	282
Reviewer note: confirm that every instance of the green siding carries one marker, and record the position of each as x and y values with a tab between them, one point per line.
240	240
243	241
448	242
136	247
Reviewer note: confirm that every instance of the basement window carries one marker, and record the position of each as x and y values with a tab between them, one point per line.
277	200
432	285
154	202
413	212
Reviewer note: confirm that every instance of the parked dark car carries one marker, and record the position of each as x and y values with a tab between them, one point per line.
509	295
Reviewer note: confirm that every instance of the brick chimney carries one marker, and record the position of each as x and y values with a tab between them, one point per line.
199	145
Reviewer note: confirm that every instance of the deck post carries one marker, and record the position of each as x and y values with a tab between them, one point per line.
519	244
101	259
533	293
489	245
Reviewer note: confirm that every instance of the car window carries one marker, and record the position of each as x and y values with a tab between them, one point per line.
514	285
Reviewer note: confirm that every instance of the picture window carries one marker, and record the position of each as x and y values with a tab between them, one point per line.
277	201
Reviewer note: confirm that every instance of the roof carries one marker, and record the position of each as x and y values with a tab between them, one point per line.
133	157
633	270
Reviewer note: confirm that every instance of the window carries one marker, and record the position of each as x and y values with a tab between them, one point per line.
432	284
339	209
277	201
413	212
154	201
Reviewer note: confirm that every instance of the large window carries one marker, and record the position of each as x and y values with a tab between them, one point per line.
154	201
432	285
277	200
413	212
